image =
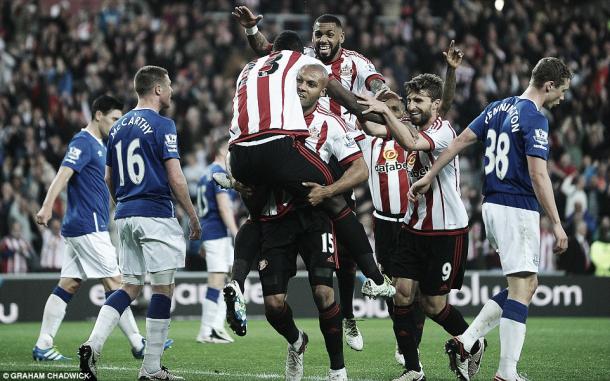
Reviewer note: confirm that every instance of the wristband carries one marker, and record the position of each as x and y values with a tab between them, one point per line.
252	31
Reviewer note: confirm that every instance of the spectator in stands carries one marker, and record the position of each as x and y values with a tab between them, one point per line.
53	246
576	260
16	253
600	250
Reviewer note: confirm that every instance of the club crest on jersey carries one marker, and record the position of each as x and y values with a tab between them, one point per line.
99	153
411	160
73	154
314	132
262	264
171	142
346	70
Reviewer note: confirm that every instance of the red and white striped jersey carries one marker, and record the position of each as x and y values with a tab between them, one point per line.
388	178
266	100
441	208
355	72
328	137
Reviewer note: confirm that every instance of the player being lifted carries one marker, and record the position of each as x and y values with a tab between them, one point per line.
434	239
142	172
517	183
89	252
355	73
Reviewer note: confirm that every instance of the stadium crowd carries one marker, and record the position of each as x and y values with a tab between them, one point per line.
55	60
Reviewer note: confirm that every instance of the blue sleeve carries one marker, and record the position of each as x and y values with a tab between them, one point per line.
217	188
109	152
478	125
169	141
536	136
77	155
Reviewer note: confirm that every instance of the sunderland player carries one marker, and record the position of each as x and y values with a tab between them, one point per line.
142	172
388	181
263	153
219	228
515	133
89	252
356	74
434	239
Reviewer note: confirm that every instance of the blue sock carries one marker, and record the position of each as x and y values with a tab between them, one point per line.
108	293
500	297
159	307
212	294
62	294
119	300
514	310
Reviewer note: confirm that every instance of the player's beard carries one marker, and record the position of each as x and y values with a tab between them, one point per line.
333	50
424	118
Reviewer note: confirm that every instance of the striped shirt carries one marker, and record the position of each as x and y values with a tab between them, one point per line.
441	208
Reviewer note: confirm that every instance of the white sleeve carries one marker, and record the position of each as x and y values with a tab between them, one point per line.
366	72
439	138
343	145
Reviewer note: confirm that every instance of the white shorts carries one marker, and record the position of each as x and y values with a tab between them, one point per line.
90	256
219	254
515	233
150	244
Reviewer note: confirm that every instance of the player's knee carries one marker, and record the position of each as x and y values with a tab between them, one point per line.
334	205
70	285
404	295
324	296
274	304
432	305
162	278
112	283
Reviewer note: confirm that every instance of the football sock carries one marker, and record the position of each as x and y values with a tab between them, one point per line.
108	318
390	304
346	277
419	317
451	320
486	320
352	235
128	325
512	336
157	325
283	323
221	314
330	326
247	247
209	310
405	331
53	315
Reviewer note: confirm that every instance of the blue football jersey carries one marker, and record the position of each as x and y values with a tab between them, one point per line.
511	130
138	145
212	226
88	196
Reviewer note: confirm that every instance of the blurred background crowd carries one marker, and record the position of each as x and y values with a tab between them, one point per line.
56	57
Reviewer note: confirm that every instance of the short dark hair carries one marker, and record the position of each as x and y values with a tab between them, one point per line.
147	78
550	69
105	104
218	144
431	83
288	40
327	18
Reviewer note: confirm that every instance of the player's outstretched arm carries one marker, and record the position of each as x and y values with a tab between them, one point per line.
226	212
348	100
421	186
177	183
453	56
356	173
543	188
59	183
257	41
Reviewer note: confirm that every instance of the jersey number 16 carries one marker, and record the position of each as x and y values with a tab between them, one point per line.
135	163
497	154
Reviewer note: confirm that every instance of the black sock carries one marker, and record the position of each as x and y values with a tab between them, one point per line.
419	317
330	326
451	320
351	234
390	303
283	323
405	332
247	248
346	277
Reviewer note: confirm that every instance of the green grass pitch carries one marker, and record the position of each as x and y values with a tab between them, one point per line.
555	349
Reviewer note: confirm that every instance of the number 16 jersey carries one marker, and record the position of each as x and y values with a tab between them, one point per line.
138	145
511	129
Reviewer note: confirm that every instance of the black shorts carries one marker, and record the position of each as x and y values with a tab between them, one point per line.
386	239
437	262
305	231
282	163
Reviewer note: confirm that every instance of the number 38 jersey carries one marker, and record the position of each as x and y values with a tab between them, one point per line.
511	129
138	145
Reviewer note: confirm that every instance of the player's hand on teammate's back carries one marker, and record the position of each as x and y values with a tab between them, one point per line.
43	216
195	228
561	239
453	55
245	17
317	194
